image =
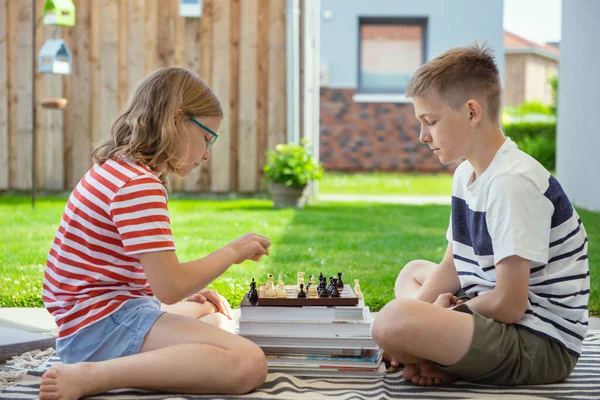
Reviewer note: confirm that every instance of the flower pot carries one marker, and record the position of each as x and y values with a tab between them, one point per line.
287	196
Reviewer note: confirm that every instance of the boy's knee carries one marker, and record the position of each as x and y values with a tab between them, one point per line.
394	319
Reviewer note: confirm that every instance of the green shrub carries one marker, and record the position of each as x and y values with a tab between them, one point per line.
553	81
531	107
536	139
292	165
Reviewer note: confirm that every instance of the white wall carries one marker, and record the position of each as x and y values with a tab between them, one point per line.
578	132
451	23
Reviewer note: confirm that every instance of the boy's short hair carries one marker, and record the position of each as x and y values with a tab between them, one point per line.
459	74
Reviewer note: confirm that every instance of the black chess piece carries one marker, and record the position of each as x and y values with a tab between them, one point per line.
302	293
340	283
252	293
322	291
330	286
321	276
333	290
309	283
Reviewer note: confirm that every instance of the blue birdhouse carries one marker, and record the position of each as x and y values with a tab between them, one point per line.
55	57
59	12
190	8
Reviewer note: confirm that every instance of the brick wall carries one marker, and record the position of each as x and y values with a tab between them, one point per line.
372	136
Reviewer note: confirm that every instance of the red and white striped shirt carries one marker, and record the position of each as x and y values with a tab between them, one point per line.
117	210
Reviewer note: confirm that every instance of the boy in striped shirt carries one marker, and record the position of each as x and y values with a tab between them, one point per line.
507	305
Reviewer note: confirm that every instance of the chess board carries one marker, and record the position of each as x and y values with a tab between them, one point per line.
347	298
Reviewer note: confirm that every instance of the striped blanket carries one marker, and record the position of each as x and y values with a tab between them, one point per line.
584	383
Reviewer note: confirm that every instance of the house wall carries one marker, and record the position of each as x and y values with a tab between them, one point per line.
363	136
514	79
578	141
537	72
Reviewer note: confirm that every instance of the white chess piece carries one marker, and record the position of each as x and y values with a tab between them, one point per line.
281	292
357	289
312	290
270	288
300	281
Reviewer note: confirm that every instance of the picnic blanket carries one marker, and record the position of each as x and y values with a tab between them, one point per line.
23	380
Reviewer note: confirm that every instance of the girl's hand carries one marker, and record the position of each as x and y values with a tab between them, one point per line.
214	297
447	300
249	247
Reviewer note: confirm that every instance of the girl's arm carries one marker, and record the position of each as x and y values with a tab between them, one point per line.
172	281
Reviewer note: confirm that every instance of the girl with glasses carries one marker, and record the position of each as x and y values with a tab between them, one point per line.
113	280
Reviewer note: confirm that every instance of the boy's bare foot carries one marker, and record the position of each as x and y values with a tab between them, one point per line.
409	371
69	382
428	374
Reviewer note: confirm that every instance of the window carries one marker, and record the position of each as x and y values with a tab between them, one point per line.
390	51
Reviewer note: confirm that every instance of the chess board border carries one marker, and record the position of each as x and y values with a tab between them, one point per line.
351	300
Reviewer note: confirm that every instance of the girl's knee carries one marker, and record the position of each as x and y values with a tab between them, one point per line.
251	369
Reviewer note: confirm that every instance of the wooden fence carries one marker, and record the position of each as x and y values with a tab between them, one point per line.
238	47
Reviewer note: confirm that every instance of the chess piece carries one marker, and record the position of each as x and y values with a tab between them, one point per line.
302	293
332	289
252	293
320	277
270	288
281	292
340	284
322	286
311	280
357	289
300	276
312	289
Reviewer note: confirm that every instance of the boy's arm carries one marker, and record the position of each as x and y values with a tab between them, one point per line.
507	302
443	279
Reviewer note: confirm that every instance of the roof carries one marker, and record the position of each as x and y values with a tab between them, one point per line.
515	44
54	46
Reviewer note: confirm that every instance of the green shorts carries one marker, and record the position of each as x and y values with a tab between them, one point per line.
502	354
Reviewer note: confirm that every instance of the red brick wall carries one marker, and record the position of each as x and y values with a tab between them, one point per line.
372	136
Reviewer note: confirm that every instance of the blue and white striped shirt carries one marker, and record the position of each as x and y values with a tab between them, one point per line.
516	207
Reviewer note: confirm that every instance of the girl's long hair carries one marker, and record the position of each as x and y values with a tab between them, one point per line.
148	130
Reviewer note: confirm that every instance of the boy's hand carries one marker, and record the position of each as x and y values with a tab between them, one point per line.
447	300
214	297
249	247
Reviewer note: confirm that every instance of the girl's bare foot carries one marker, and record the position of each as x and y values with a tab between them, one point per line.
430	375
69	382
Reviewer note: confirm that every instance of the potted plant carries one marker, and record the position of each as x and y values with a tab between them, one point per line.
288	170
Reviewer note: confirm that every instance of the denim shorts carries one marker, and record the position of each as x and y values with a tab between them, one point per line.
120	334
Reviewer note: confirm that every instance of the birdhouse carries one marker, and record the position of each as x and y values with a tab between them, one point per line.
55	57
59	12
190	8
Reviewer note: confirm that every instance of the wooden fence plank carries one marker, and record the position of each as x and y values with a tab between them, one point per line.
123	59
50	165
220	175
21	157
80	99
41	34
206	54
277	77
151	29
136	43
262	88
247	95
234	92
192	37
109	66
4	184
97	135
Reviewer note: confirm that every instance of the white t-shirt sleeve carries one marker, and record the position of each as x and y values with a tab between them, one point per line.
518	217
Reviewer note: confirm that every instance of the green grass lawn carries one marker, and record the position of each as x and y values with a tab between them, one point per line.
385	184
370	242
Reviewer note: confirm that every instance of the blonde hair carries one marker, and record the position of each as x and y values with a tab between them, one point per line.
459	74
147	130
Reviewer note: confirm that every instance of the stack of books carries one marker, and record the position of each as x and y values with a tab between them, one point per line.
327	341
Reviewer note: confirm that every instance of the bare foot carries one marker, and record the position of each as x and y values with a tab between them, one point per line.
430	375
409	371
390	360
69	382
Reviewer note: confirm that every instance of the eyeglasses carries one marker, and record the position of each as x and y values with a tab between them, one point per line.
201	125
